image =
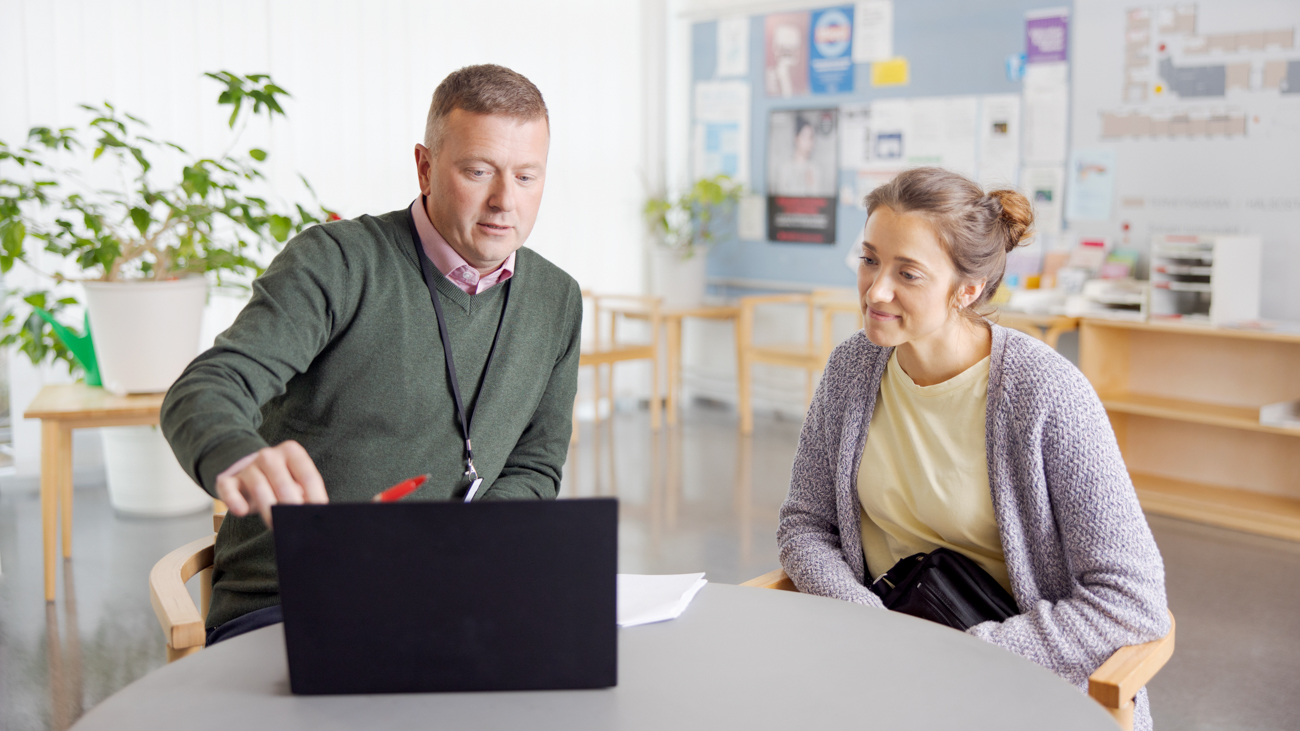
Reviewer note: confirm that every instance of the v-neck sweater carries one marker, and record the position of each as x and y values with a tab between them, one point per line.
338	349
1083	565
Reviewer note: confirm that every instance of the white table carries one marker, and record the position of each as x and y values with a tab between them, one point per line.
739	658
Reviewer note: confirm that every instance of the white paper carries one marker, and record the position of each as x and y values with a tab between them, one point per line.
944	133
855	136
1044	186
873	31
1046	106
999	131
1092	184
751	218
733	46
644	599
891	132
721	135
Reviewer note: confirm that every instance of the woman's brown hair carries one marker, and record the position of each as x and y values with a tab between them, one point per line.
975	228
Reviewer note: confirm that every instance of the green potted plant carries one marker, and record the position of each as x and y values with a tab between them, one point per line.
684	227
144	248
96	217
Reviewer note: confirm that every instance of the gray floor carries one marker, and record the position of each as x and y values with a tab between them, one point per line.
699	498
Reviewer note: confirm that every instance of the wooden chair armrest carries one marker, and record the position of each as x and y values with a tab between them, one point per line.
1118	680
772	580
180	619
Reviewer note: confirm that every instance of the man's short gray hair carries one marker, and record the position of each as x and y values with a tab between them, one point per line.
483	89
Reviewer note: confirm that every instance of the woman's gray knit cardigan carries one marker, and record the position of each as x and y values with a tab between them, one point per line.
1084	567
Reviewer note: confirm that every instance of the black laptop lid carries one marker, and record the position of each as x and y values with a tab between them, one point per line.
418	597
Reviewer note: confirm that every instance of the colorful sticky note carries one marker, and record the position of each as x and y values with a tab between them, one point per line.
889	73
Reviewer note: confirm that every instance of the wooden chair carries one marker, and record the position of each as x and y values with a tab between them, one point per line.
1114	685
182	622
606	351
810	355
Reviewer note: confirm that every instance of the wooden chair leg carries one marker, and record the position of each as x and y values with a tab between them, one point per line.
744	371
595	384
573	437
655	405
674	357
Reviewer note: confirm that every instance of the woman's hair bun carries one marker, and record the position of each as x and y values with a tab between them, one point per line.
1016	217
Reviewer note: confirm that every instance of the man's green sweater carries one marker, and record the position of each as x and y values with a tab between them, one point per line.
338	349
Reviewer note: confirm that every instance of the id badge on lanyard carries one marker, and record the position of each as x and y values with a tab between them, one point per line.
464	419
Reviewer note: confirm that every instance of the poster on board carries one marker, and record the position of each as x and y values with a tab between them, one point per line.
733	46
1091	185
830	55
786	53
802	175
721	134
1047	35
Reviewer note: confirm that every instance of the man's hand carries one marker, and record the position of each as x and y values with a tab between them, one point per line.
280	474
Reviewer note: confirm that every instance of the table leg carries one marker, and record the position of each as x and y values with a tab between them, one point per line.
674	348
65	487
49	500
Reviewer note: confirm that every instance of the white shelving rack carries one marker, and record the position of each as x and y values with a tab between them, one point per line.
1207	279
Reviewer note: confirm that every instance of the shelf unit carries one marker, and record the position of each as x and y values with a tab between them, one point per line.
1184	403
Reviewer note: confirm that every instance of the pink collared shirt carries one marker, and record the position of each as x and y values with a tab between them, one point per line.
452	266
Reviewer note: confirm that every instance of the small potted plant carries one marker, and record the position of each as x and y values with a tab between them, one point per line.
89	207
684	227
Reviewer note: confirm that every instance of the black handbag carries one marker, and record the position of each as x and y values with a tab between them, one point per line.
946	587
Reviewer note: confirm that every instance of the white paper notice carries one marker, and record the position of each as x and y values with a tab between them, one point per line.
721	139
944	133
855	136
999	140
643	599
891	132
1047	103
1044	186
751	218
873	31
733	46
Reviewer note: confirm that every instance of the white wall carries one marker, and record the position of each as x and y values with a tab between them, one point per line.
361	75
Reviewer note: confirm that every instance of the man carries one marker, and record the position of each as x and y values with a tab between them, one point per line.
333	383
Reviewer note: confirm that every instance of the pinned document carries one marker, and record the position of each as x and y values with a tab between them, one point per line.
890	73
645	599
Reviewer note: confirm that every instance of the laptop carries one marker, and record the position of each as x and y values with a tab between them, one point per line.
430	596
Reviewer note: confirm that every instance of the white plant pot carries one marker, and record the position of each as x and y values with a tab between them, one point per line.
143	476
145	333
681	283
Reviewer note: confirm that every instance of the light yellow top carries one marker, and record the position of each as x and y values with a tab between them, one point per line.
924	478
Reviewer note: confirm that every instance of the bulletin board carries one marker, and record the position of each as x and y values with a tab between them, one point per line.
954	49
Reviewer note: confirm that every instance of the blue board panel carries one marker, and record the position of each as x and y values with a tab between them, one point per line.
953	48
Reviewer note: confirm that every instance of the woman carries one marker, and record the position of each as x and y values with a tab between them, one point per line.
934	428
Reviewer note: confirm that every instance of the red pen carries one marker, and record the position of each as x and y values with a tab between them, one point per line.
400	490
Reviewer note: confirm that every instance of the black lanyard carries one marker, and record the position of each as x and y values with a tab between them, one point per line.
431	273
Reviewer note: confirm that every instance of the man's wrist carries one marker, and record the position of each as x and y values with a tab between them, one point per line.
225	459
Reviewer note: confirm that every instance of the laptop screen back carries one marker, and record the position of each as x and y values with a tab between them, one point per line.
419	597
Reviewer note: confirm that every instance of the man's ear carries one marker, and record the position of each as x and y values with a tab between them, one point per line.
423	166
